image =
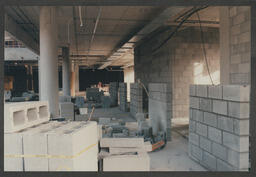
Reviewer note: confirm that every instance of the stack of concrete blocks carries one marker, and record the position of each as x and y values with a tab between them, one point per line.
79	101
13	145
105	101
160	109
64	99
123	96
18	116
136	99
93	94
54	146
219	126
67	110
113	91
126	154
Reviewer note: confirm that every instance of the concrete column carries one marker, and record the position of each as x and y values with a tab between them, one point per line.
73	91
66	71
77	78
48	63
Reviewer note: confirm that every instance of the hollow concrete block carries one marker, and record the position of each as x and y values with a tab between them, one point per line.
18	116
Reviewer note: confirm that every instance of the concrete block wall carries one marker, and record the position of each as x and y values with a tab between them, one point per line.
219	126
236	53
179	63
113	91
136	99
160	108
122	96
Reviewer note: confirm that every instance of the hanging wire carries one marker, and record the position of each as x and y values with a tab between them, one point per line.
203	46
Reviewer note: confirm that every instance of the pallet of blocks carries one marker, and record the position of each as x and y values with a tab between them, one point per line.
125	154
50	146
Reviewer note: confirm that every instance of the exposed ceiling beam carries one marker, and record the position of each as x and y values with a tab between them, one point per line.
128	3
19	34
157	22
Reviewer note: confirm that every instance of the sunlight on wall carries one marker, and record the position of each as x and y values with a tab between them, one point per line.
128	78
201	75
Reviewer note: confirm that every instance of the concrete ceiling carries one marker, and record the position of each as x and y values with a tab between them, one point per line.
116	26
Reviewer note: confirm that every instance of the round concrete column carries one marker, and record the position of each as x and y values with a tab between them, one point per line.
66	71
77	77
48	63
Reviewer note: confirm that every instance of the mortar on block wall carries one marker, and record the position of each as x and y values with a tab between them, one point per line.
219	126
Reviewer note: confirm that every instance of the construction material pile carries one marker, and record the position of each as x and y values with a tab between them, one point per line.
33	143
124	154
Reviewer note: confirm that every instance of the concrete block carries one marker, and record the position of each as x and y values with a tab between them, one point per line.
13	146
18	116
219	151
196	152
192	90
147	146
201	129
220	107
224	166
158	115
140	162
140	116
238	160
83	154
202	90
241	127
81	117
210	119
209	161
215	135
83	111
237	143
205	144
205	104
239	110
192	126
215	92
99	132
194	102
225	123
236	93
194	138
132	126
103	120
67	110
122	142
35	142
64	99
198	115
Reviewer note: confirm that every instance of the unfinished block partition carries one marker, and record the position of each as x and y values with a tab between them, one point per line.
219	126
136	99
160	109
123	96
113	91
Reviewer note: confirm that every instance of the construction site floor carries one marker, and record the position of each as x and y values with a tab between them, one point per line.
174	156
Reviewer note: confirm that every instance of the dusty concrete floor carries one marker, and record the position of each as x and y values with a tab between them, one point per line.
174	157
